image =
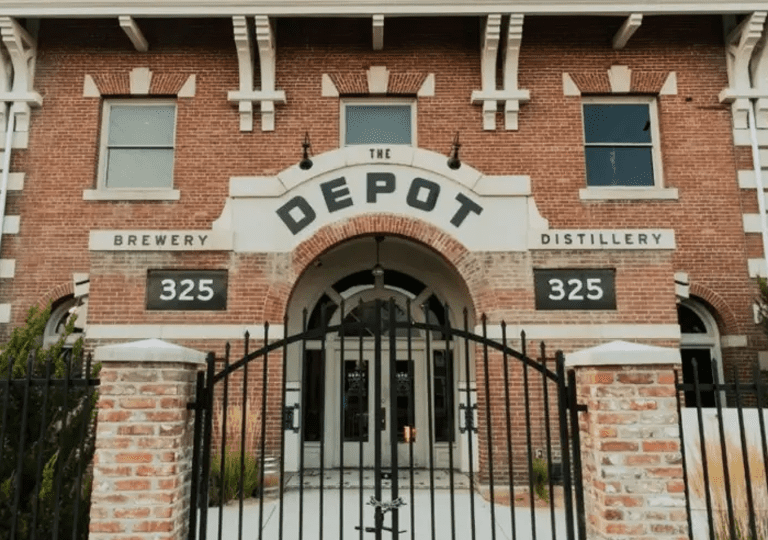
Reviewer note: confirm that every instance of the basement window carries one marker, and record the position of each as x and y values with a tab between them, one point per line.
137	151
387	122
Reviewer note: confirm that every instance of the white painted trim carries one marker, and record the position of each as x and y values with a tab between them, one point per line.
140	79
741	137
601	193
627	30
730	342
757	268
5	313
181	331
134	33
147	194
669	88
256	186
620	78
16	181
585	331
503	185
148	350
11	224
189	88
89	87
747	177
378	32
160	240
621	353
569	86
327	87
751	223
7	268
378	79
427	87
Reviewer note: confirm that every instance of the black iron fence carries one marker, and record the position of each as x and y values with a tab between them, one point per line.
382	426
47	435
725	457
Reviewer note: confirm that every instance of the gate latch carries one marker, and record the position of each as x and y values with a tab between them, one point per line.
386	507
469	418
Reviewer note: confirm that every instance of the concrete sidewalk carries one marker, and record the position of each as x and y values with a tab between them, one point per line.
420	529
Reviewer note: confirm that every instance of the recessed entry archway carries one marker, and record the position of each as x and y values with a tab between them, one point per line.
333	379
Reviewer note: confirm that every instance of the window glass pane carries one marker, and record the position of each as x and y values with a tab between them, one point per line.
150	125
378	124
619	166
605	123
140	168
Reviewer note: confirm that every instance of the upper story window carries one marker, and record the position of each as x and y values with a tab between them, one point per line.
137	150
621	148
378	122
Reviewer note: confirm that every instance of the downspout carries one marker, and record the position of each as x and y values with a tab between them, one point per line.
7	173
758	179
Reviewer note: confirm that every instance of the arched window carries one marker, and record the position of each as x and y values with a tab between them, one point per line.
699	349
61	311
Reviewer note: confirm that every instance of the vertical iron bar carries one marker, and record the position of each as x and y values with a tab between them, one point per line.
430	422
527	401
41	445
59	459
760	415
86	421
197	435
363	392
283	387
510	456
379	516
448	359
581	518
324	364
724	453
207	442
393	433
412	417
22	439
263	449
562	409
222	476
470	427
488	427
745	456
6	398
304	400
243	432
703	444
342	415
547	427
685	461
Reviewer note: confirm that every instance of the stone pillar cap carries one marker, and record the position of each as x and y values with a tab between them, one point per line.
148	350
623	353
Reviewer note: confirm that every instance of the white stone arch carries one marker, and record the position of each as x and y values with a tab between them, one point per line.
702	334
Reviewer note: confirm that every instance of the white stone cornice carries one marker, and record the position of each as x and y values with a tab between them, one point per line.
740	45
378	32
132	30
630	26
267	96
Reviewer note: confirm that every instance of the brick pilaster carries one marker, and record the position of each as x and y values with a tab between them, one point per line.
143	441
631	447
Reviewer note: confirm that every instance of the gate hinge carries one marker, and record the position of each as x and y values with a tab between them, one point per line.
469	418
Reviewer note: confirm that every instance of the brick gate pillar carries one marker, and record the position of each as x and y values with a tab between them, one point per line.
630	441
143	441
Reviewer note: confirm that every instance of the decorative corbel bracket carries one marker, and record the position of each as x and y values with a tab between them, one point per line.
742	71
17	82
134	33
510	95
267	96
378	32
627	30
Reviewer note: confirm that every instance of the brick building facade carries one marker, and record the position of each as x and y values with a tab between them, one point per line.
606	187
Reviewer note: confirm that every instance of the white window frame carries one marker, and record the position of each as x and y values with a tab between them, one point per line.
375	103
657	191
102	192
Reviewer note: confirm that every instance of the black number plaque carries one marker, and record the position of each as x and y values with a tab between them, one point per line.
187	290
580	288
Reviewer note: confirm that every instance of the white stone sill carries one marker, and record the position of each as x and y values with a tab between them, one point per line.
623	193
131	195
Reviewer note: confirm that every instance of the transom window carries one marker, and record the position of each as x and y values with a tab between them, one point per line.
390	122
621	142
137	145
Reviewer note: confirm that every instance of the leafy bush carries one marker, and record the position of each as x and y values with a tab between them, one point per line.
53	455
232	477
540	479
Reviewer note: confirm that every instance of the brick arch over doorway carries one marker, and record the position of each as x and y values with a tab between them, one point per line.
54	294
721	311
278	296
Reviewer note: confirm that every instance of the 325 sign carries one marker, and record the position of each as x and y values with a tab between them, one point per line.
188	290
575	289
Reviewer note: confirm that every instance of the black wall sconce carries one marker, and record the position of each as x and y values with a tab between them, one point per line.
453	160
305	163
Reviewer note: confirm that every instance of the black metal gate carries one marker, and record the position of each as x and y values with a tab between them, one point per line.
401	427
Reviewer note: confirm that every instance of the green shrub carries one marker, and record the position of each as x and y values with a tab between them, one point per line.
540	479
60	449
232	479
